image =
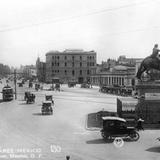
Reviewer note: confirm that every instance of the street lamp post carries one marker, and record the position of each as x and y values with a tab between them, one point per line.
15	83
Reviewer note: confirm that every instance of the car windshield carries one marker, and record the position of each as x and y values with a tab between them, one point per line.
46	105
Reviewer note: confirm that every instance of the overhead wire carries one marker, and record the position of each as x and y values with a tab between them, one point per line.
19	27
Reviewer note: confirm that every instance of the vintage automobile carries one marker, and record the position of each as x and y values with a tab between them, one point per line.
47	108
71	84
49	98
20	84
85	85
116	127
30	98
37	87
57	86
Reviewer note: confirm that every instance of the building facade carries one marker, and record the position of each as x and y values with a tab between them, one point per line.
122	60
41	70
119	75
28	71
77	65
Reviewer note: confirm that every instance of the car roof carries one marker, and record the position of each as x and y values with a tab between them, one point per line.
47	102
113	118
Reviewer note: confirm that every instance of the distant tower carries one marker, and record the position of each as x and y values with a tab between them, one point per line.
37	62
38	67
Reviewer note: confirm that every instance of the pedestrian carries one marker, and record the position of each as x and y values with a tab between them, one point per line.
139	124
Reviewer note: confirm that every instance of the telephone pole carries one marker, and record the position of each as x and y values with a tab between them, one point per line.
15	83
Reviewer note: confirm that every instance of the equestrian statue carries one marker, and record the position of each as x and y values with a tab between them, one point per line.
150	62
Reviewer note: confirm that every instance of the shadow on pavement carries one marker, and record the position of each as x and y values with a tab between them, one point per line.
22	100
25	103
37	114
99	141
40	114
154	149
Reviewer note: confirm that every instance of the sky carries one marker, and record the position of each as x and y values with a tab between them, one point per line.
31	28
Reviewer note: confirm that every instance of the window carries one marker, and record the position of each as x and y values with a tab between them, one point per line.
58	64
73	72
80	64
52	64
65	64
80	72
65	72
72	57
80	57
72	64
65	57
88	72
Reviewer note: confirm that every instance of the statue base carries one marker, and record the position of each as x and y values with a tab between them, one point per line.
148	107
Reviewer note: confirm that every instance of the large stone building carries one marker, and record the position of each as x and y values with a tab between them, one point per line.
77	65
121	72
118	75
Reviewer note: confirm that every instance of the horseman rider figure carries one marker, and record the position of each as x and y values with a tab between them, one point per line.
150	62
155	55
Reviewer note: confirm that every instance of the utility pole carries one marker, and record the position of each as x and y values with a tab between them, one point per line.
15	83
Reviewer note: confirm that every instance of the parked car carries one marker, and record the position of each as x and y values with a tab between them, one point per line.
71	84
116	127
20	84
57	86
47	108
85	85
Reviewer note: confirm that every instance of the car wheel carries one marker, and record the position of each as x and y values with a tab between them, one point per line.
135	136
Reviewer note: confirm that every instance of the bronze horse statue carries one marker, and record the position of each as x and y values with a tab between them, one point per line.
147	64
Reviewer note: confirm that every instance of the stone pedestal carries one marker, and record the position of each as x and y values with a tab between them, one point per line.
148	107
